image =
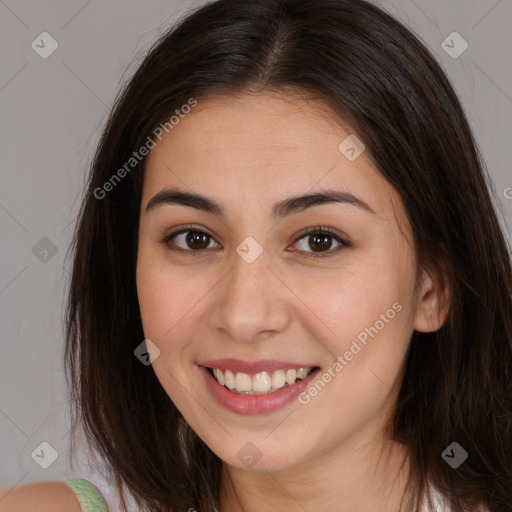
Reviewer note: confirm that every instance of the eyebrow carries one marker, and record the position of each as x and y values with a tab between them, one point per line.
281	209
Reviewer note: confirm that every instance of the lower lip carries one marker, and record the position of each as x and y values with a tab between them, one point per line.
254	404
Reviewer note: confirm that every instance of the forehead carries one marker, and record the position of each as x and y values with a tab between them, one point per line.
261	146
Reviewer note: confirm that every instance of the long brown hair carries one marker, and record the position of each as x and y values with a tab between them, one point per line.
375	74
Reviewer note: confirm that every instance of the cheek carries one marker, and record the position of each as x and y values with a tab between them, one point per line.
173	303
363	323
363	320
164	297
346	306
166	302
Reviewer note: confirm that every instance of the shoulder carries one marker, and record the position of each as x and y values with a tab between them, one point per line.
40	496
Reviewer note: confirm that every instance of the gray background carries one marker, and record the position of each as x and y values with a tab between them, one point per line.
52	111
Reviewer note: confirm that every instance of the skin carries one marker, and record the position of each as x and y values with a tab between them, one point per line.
249	152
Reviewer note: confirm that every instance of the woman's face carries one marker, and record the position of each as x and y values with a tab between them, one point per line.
247	292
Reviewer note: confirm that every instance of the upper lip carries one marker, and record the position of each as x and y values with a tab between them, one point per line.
253	367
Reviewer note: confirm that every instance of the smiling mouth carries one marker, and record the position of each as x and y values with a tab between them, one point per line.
262	383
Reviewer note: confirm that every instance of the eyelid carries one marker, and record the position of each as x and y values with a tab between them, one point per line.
183	229
320	229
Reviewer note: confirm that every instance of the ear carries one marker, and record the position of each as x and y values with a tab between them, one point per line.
433	302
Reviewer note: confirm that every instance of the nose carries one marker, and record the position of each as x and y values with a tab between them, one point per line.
252	303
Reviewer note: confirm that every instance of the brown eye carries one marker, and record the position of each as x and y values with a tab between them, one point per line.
319	242
189	240
197	240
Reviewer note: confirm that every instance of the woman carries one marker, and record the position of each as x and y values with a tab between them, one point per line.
220	362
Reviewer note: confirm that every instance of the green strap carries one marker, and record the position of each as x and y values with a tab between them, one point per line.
89	497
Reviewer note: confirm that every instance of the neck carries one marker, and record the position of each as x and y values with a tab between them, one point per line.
368	476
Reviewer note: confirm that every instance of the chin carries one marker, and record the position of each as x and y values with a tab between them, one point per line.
250	458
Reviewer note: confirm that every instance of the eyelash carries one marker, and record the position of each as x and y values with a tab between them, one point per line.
316	230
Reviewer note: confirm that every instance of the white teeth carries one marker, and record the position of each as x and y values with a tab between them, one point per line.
219	376
243	382
278	380
290	376
229	379
302	373
259	383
